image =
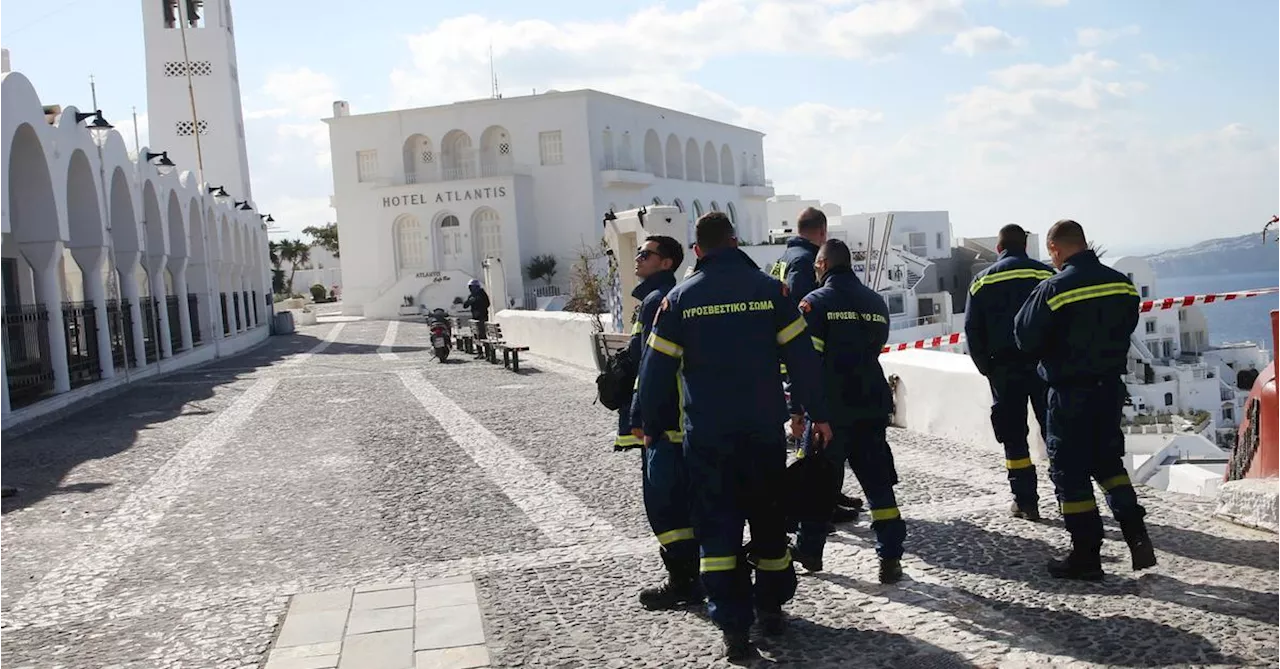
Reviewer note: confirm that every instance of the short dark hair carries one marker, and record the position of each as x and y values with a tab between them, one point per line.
1012	238
837	255
1067	232
714	230
811	220
668	248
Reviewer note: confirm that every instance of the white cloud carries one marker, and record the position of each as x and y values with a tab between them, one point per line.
1038	74
984	39
1091	38
1155	64
124	126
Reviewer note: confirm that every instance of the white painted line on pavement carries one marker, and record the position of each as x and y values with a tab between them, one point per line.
389	341
88	570
329	338
556	512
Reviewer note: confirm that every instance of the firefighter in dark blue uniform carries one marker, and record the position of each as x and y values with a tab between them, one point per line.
849	325
995	296
796	269
666	484
1078	323
721	333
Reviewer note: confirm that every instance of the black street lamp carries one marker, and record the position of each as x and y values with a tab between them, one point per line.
164	166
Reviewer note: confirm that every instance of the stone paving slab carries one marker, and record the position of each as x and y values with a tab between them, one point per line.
347	517
436	624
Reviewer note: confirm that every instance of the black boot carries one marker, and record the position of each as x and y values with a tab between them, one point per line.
890	570
772	622
673	593
1140	548
1079	565
849	502
1030	512
737	646
844	515
811	563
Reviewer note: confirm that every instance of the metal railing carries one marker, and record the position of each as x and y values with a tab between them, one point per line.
149	306
120	321
532	294
193	306
80	321
172	304
466	165
26	353
226	324
256	320
235	306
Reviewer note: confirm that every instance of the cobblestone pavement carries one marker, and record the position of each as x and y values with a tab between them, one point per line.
173	525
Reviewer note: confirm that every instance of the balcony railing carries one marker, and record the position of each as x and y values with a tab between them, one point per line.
622	164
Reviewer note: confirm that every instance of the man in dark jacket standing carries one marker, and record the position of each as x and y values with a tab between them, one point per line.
849	324
995	296
1079	324
478	303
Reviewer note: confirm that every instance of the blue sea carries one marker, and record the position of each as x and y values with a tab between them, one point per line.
1240	320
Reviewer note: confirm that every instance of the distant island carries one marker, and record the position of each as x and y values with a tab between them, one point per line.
1229	255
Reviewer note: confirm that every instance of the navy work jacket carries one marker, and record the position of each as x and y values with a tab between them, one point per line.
1078	323
650	293
995	296
795	268
722	331
849	325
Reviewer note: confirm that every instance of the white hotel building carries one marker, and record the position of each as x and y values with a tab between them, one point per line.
424	196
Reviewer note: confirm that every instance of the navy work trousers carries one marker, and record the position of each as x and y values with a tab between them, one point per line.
666	502
734	478
1085	442
1012	386
861	443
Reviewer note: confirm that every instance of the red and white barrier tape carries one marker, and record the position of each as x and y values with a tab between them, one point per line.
1149	305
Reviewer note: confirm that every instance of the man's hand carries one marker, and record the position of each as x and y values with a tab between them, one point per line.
638	433
648	442
821	435
797	426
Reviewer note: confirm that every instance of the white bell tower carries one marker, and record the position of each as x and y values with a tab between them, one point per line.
215	81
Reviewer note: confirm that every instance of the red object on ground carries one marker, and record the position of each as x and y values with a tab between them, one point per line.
1266	460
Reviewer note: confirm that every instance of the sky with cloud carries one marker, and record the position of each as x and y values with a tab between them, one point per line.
1153	123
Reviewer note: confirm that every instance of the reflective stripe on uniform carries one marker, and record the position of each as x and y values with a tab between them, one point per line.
1079	507
708	564
674	436
1037	274
638	328
628	440
672	536
1020	463
819	345
782	368
664	346
780	270
774	564
1091	292
885	514
1116	481
791	331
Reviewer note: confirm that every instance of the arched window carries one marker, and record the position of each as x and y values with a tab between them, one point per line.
733	214
419	159
657	201
411	244
697	209
675	161
610	157
715	206
1168	399
678	204
653	154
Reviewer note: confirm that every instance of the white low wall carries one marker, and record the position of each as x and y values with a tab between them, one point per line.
560	335
943	394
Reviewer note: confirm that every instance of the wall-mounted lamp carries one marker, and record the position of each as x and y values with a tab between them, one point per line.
218	192
243	205
164	165
266	218
99	127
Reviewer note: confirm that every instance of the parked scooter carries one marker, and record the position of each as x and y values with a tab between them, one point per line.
441	333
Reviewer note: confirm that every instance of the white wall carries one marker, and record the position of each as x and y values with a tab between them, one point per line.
560	335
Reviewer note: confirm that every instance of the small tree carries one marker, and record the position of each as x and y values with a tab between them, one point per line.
296	252
325	236
588	286
541	267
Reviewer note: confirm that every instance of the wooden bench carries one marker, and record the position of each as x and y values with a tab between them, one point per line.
463	337
494	343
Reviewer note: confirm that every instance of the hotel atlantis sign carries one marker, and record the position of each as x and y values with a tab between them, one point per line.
443	197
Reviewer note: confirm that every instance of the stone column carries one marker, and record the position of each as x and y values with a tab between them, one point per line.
127	266
159	299
45	259
92	260
178	268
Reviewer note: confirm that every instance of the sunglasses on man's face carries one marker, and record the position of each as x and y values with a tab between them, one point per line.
643	254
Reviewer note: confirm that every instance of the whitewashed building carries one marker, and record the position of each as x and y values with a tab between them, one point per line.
424	196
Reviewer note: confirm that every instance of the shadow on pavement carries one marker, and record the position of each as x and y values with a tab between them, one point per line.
810	644
1109	640
1259	554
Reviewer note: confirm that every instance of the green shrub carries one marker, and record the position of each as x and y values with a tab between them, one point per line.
318	293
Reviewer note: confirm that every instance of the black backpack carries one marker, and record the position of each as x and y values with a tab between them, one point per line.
615	383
